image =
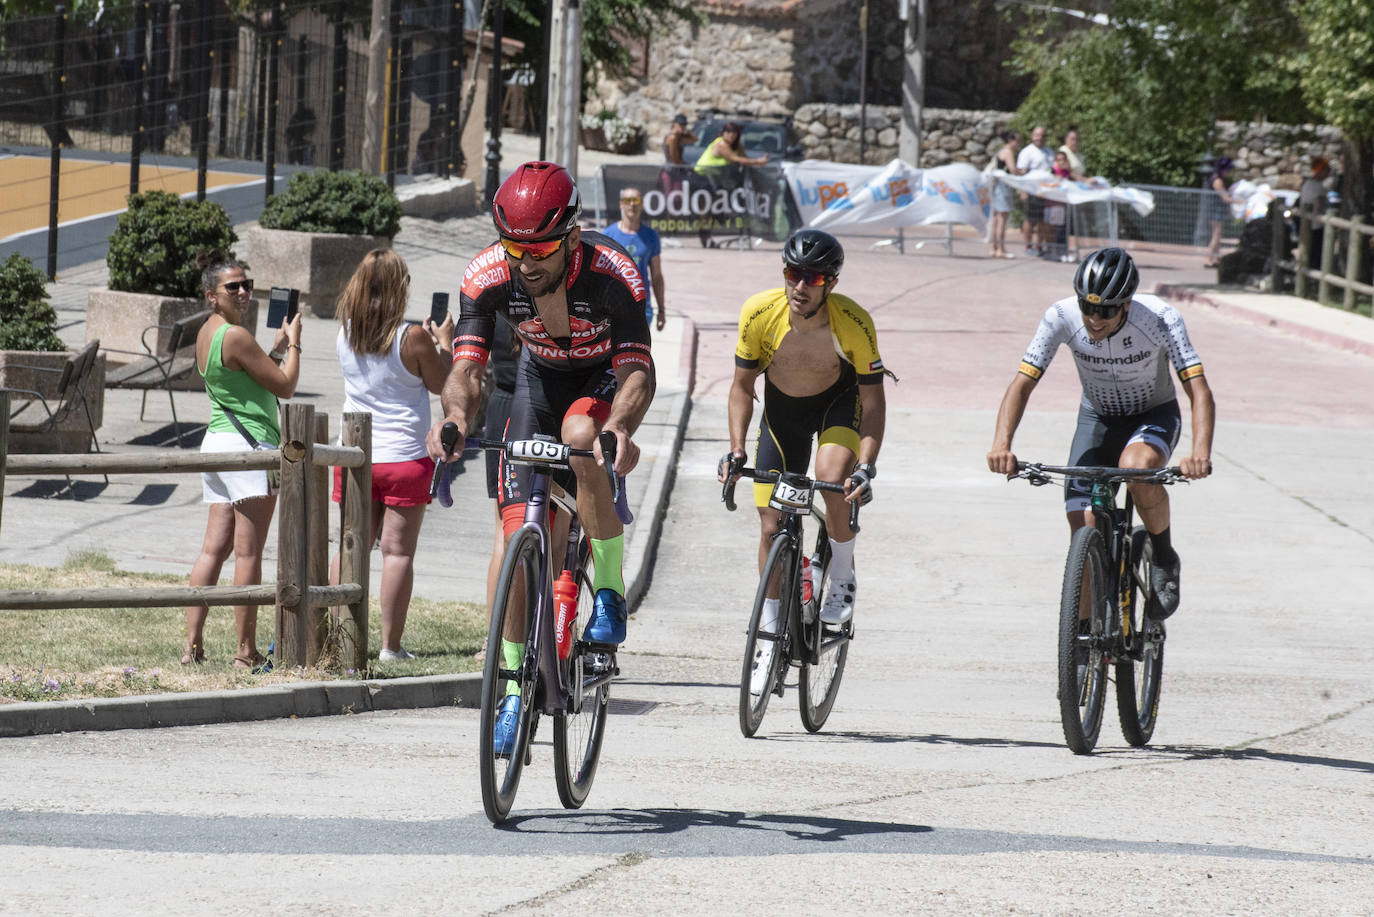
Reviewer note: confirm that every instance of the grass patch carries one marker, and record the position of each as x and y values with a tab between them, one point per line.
67	654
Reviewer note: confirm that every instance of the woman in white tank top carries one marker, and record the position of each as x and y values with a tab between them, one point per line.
390	367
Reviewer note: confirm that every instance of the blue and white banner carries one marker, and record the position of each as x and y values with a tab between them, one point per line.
837	196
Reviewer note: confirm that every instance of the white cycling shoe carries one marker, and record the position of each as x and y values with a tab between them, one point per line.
839	601
763	661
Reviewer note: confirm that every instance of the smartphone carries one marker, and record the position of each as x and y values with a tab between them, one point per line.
282	306
438	308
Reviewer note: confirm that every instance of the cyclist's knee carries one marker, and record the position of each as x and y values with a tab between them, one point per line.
579	431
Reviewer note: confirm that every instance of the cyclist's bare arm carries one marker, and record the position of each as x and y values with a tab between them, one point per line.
872	423
634	391
1000	457
1203	411
741	411
461	395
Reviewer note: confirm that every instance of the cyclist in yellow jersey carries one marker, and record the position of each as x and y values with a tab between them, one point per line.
823	377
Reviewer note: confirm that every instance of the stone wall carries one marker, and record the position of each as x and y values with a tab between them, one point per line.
1277	154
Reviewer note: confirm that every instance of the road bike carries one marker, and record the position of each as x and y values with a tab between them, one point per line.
1107	574
570	682
819	650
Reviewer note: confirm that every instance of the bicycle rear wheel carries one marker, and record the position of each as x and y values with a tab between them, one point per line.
1082	660
577	735
1138	681
820	681
517	594
753	706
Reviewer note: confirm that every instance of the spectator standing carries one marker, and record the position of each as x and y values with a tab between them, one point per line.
1035	157
1056	212
1219	206
644	246
718	162
1070	149
1005	161
678	137
390	367
1312	200
243	383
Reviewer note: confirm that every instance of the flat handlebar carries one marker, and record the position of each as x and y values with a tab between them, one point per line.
1038	473
737	471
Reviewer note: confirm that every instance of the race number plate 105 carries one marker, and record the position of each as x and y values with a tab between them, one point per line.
790	499
538	451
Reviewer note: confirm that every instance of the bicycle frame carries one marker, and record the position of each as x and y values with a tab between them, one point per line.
1115	525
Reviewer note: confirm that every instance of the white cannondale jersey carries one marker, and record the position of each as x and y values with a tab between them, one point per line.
1125	373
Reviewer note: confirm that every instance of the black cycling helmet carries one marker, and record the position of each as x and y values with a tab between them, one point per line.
813	250
1106	277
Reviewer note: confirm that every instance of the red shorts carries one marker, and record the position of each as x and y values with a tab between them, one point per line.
396	483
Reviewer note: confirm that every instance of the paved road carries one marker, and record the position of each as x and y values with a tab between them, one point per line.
940	784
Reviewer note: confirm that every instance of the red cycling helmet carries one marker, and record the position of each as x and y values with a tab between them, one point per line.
538	202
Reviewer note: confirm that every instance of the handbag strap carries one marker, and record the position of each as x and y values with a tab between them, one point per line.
238	424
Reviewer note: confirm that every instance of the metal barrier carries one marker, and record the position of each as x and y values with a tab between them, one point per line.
301	593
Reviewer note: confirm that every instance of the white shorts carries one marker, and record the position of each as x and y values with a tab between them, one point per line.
232	486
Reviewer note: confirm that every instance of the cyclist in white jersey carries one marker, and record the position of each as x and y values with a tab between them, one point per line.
1124	345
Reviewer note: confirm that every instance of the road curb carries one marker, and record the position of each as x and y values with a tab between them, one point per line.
1180	293
203	708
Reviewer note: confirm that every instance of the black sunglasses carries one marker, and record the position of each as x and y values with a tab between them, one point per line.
234	286
1101	310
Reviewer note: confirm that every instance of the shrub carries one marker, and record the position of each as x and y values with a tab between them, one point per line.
27	322
154	245
353	203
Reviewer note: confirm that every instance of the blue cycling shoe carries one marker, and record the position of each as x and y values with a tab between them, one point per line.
608	619
507	722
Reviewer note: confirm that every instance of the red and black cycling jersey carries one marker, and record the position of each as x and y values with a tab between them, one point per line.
605	310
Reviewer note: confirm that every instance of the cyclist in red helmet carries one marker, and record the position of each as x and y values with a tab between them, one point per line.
576	301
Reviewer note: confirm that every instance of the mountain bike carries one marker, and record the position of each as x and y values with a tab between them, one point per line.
818	649
1109	563
570	682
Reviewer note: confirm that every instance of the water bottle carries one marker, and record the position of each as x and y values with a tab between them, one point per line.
565	601
808	585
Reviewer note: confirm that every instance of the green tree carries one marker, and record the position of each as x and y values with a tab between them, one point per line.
1338	81
1147	82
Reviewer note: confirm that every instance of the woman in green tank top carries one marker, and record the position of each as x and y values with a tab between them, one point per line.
243	383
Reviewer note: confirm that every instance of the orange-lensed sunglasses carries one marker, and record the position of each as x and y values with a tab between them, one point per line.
536	250
800	275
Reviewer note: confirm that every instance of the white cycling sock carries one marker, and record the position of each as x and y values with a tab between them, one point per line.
841	559
768	621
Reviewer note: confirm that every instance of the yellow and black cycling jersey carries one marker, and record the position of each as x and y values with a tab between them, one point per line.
764	321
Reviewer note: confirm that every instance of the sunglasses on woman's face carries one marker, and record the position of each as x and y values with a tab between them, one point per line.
538	251
797	275
234	286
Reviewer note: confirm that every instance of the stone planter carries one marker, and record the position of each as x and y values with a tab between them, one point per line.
118	319
319	264
72	434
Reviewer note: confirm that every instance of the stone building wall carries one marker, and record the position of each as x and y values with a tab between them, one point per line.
1271	153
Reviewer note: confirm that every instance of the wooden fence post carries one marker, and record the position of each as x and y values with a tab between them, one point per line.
355	539
1354	249
4	444
1328	259
293	533
1304	251
317	628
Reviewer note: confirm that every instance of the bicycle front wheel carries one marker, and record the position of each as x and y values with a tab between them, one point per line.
1082	658
577	735
771	642
1138	680
516	598
820	681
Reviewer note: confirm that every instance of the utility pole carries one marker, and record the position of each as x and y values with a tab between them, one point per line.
912	13
564	99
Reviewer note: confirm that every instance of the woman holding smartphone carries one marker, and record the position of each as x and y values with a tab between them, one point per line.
243	383
390	367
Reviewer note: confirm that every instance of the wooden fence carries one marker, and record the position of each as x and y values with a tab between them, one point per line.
301	594
1351	248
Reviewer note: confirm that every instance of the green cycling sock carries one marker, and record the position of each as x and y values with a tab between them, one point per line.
513	654
607	556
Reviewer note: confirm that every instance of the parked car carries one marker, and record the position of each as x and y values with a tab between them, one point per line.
761	134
